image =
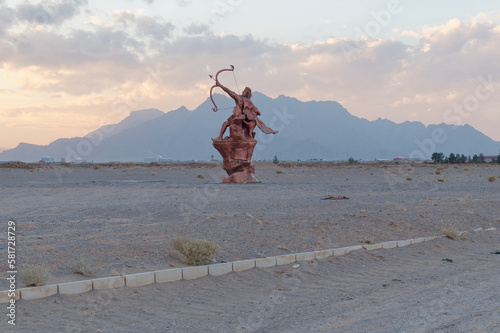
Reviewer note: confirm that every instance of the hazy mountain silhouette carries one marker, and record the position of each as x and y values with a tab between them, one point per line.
307	130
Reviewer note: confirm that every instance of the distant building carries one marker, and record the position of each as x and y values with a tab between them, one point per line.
490	158
400	159
46	160
150	159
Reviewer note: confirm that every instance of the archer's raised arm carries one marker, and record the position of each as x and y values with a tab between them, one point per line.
232	94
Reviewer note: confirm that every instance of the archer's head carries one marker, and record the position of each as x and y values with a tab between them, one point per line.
247	93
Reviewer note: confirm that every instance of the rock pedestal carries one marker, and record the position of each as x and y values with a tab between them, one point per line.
237	160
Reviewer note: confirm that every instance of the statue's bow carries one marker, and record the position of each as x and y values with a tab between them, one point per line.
215	108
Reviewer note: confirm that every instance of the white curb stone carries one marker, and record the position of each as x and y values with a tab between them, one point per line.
189	273
417	240
339	252
349	249
4	296
305	256
404	243
285	259
220	269
38	292
490	229
139	279
371	247
477	229
168	275
243	265
427	239
265	262
389	245
323	254
108	282
72	288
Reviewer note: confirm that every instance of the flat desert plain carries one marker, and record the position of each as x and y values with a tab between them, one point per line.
121	218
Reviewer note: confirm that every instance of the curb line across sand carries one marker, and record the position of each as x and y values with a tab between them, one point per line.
195	272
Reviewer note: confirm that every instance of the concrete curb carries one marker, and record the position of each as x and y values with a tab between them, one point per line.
4	296
265	262
323	254
38	292
72	288
285	259
168	275
243	265
404	243
139	279
220	269
195	272
108	282
371	247
305	256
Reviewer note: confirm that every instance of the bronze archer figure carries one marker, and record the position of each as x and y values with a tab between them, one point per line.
237	149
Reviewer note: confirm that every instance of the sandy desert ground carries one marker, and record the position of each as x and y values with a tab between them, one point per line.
121	219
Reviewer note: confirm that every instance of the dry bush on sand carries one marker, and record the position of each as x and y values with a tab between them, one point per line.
34	275
80	266
195	251
451	232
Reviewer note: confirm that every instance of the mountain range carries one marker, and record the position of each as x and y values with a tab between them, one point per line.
307	130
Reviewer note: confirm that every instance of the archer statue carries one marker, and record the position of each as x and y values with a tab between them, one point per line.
245	114
237	148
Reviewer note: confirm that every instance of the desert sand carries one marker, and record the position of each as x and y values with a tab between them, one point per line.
121	219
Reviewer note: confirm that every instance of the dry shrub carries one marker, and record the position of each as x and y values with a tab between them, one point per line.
195	251
81	267
491	178
437	172
441	180
279	171
96	167
201	176
409	178
451	232
17	165
34	275
367	240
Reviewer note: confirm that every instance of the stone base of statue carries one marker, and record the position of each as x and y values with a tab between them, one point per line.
237	160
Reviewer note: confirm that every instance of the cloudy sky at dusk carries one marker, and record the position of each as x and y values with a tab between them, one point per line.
70	66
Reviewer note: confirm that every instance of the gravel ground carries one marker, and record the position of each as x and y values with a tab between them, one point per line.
121	220
409	289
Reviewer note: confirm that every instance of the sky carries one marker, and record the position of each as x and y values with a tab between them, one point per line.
68	67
